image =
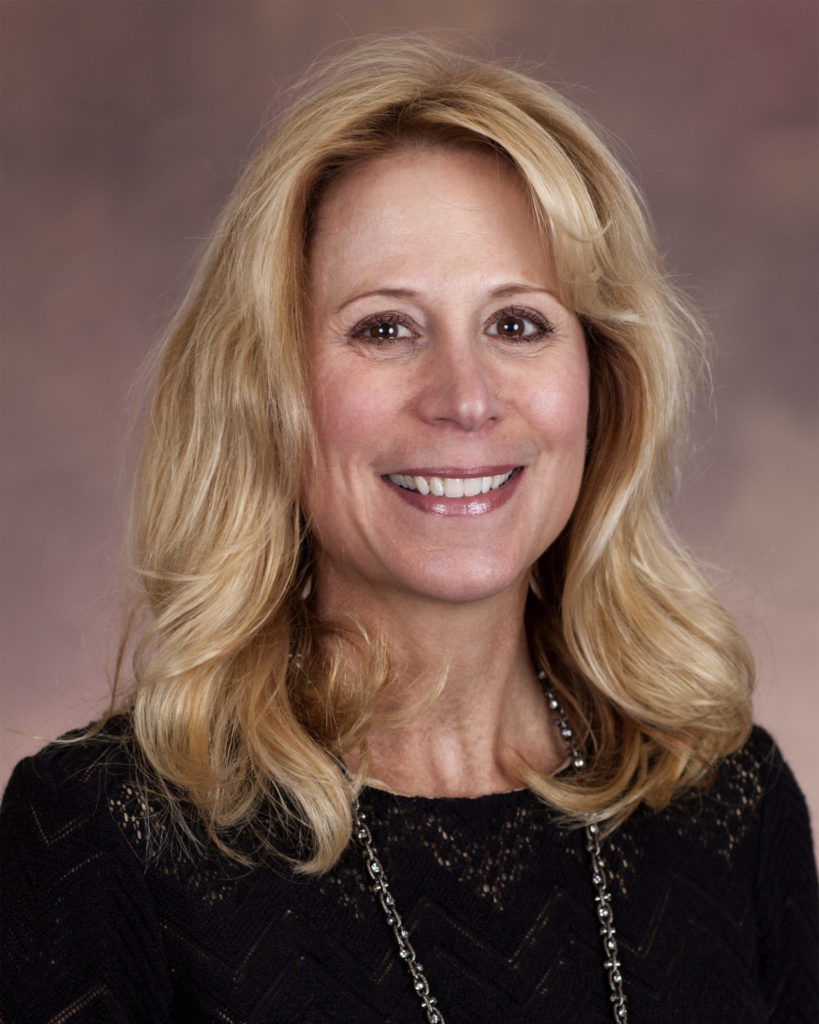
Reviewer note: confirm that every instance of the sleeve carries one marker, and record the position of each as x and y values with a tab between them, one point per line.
786	899
81	939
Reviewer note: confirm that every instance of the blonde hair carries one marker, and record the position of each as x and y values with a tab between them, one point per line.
243	700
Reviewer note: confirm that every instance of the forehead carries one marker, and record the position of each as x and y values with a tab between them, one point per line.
379	177
419	206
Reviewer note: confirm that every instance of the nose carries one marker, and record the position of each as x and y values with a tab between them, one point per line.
458	387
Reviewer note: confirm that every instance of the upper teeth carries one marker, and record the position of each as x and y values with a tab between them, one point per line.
451	486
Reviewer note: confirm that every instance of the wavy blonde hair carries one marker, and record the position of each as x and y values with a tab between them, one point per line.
243	701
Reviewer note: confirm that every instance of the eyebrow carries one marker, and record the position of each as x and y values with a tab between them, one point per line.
408	293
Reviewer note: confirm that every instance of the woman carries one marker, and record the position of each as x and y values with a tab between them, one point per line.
421	673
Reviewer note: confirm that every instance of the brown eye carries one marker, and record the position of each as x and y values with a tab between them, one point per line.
518	325
383	331
511	327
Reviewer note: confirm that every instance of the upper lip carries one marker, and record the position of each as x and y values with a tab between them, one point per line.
461	472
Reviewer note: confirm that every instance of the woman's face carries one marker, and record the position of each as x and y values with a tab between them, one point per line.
450	387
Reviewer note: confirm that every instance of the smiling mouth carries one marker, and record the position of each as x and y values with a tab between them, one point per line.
452	486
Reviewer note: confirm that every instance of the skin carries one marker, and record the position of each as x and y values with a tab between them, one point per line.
437	346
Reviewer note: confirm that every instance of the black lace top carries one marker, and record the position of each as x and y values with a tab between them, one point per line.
715	905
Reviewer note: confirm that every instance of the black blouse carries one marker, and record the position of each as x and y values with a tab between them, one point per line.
106	919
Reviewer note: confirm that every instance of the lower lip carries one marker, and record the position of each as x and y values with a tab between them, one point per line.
479	505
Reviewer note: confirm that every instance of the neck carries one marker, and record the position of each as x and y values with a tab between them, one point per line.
490	715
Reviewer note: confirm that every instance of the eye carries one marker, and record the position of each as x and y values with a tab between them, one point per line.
516	324
382	329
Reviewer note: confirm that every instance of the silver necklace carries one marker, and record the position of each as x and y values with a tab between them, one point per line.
602	899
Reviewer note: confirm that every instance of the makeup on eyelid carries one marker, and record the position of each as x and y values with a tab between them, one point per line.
510	325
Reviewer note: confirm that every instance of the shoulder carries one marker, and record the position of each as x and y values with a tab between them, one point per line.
758	788
83	925
754	770
751	799
759	757
723	879
753	829
71	789
756	785
784	879
77	761
748	824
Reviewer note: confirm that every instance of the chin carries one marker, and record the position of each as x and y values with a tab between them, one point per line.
458	586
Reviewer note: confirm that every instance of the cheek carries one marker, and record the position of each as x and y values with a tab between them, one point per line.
572	423
350	413
561	413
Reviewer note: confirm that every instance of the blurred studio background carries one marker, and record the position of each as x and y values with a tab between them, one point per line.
124	126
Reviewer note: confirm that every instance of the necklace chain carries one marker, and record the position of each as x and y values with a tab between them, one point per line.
387	901
599	876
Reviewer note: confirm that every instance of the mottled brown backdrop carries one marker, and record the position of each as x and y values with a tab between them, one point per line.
124	126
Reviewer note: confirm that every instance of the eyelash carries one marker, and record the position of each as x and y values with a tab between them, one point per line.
359	331
543	326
